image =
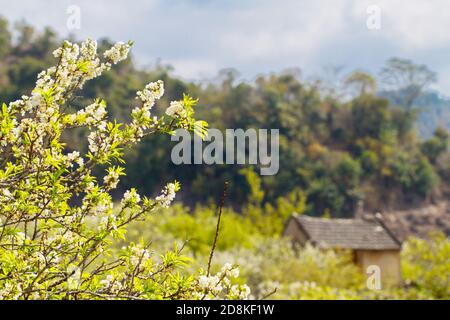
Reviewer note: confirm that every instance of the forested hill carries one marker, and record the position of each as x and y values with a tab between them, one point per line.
336	153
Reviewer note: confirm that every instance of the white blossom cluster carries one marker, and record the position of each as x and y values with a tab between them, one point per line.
152	92
176	109
142	115
41	111
167	195
93	114
139	255
73	157
221	282
131	198
111	180
118	52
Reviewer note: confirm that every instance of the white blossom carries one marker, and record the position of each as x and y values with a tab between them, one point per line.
176	109
111	179
118	52
167	195
131	197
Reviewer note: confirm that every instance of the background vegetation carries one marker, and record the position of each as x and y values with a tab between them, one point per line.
340	143
270	265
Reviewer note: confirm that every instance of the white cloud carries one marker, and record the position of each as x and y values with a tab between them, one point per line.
194	68
294	30
200	37
413	24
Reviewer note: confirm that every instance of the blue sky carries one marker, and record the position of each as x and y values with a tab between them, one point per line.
258	36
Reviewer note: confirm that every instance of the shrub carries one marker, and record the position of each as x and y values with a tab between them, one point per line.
57	220
426	265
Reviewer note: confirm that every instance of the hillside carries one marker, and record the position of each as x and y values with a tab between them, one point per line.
420	221
333	152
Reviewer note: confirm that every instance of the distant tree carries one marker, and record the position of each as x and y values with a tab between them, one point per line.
25	38
361	82
436	145
5	38
407	78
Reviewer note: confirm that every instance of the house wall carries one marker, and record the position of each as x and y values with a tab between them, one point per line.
387	260
294	232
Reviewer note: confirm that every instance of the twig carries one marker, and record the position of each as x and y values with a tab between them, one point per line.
216	236
269	294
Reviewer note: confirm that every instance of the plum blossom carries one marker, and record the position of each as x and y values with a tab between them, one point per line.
167	195
131	197
111	180
118	52
176	109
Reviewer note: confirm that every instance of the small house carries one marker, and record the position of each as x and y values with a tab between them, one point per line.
370	241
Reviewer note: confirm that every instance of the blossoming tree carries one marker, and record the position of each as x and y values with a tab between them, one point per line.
57	220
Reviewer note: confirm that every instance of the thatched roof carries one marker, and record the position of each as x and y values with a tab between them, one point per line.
364	234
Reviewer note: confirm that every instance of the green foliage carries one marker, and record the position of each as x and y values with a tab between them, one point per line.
426	265
436	145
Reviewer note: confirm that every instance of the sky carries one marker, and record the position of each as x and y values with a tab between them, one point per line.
199	38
